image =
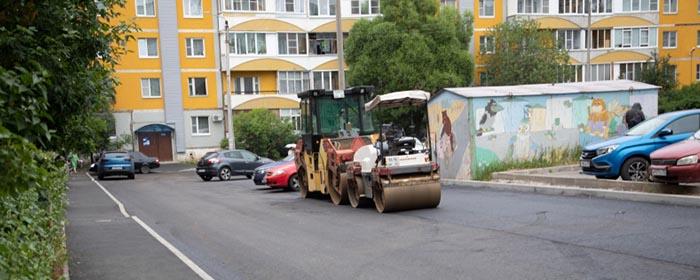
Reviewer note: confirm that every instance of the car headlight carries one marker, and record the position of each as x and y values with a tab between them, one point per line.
688	160
278	172
606	150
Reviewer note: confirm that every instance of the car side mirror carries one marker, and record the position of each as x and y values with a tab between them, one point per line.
665	132
257	158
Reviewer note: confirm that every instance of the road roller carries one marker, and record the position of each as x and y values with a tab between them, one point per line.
334	126
396	172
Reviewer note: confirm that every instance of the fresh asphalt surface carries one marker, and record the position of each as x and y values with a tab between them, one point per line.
236	230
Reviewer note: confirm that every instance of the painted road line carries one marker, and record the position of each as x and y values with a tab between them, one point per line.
198	270
175	251
121	206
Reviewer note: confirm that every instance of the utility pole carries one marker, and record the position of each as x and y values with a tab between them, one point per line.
229	110
588	49
339	40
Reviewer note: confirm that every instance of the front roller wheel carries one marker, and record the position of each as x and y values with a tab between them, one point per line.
303	184
355	193
338	188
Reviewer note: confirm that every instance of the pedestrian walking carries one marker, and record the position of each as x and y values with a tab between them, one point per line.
73	158
634	116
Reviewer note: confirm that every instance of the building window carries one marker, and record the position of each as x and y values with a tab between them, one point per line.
640	5
150	87
244	5
200	125
194	47
148	47
669	40
486	8
698	37
290	6
248	43
571	74
483	79
291	43
631	71
322	7
533	6
634	37
247	85
697	72
146	8
672	71
601	72
601	6
568	39
327	80
292	116
364	7
197	86
601	38
293	82
486	45
670	6
323	43
571	7
193	8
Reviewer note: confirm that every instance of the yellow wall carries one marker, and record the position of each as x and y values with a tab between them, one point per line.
481	26
129	97
199	102
686	23
208	61
205	22
131	59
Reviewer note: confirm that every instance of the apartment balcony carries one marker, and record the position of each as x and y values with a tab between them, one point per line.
606	20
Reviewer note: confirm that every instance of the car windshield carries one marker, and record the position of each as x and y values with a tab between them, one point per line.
116	155
647	126
210	155
288	158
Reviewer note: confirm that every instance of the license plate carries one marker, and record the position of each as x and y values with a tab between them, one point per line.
585	163
116	168
201	170
658	172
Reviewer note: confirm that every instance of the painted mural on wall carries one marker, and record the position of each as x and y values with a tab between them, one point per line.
522	127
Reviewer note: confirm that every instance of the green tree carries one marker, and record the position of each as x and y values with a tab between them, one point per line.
414	45
56	70
262	132
524	54
683	98
659	71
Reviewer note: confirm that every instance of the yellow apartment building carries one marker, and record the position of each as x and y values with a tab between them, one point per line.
170	98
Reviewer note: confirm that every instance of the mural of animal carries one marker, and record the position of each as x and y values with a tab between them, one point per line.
598	118
447	138
489	117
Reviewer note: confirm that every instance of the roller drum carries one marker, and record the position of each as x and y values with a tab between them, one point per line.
406	195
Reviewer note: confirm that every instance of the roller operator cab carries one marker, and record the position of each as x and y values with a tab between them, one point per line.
334	126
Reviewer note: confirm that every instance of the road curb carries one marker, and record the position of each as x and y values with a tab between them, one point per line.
670	199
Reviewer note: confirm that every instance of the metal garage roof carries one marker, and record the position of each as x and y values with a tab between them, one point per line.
549	89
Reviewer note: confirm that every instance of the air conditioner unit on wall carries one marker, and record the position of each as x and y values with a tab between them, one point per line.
217	118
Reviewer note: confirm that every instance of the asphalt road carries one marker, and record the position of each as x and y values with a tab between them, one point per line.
235	230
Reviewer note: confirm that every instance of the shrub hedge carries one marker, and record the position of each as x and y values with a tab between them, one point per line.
32	210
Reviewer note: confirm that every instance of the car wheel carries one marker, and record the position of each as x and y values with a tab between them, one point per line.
101	176
249	176
145	169
293	184
635	169
206	178
607	177
131	176
225	173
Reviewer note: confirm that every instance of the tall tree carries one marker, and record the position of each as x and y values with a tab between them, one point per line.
263	133
414	45
56	70
659	71
524	54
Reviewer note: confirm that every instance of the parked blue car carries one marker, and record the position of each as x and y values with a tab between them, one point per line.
628	156
115	164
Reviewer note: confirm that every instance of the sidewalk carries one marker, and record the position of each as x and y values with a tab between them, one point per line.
103	244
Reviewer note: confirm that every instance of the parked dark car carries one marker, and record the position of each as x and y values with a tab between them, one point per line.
225	164
259	176
143	163
677	163
115	164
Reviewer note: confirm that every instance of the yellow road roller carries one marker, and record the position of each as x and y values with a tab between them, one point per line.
397	172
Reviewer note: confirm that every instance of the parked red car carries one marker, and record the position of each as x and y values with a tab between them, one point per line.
283	176
677	163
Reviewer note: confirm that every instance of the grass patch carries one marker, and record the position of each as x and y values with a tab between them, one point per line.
549	158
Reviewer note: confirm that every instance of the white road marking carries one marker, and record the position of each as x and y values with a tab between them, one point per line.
198	270
121	206
175	251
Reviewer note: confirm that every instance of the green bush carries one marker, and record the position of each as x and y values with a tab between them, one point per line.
686	97
263	133
32	211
